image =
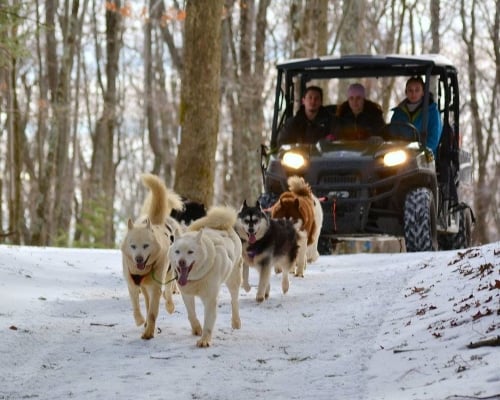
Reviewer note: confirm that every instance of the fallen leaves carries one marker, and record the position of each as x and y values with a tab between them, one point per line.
426	308
479	314
482	302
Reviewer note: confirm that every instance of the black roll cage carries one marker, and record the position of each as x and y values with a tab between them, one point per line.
360	66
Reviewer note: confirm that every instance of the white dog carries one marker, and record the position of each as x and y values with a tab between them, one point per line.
205	257
144	254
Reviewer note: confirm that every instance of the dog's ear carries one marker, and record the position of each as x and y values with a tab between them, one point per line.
257	204
130	224
199	235
297	203
148	223
244	204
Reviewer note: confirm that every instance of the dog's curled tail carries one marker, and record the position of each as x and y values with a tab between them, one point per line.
220	217
299	186
160	201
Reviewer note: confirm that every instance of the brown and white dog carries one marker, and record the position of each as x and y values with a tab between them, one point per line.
144	254
299	203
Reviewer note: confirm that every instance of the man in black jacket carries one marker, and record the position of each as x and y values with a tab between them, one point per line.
311	123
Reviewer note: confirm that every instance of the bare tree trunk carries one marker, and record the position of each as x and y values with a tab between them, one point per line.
149	95
42	221
100	189
482	193
195	164
352	37
16	148
309	26
435	6
247	116
53	209
13	123
353	40
161	112
64	188
495	118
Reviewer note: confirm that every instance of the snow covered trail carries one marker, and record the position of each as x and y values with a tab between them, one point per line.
67	331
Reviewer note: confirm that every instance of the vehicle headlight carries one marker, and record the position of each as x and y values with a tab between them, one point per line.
394	158
294	160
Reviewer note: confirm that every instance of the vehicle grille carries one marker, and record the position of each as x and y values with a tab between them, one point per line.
338	179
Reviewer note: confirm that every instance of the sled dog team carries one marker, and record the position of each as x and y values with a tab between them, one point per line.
162	255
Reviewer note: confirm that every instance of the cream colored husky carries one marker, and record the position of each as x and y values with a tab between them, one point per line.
205	257
144	254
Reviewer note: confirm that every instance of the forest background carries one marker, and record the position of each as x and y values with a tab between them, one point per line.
94	93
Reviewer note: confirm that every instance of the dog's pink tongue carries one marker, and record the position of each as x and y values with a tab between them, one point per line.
252	238
183	275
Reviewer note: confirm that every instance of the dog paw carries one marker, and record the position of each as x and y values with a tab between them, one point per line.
236	323
299	274
170	306
259	299
203	343
147	335
246	286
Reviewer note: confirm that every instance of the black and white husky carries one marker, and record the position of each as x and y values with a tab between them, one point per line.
267	242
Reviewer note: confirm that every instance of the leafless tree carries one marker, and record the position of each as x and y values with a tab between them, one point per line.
199	109
483	123
244	66
99	189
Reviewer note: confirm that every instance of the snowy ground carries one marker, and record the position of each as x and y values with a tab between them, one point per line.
367	326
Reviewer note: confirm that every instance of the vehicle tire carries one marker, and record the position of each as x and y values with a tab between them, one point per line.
463	238
325	246
419	221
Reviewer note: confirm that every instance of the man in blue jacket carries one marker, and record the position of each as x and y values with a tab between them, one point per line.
410	110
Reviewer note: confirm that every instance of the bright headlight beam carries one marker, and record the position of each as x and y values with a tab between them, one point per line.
294	160
395	158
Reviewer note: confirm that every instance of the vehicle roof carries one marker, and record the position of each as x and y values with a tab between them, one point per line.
384	65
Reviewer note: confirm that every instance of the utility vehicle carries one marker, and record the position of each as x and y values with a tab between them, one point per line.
386	185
